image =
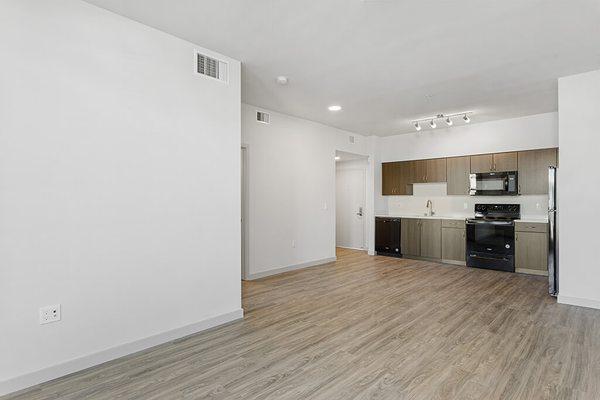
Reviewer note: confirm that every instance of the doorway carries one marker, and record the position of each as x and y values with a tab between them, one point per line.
350	207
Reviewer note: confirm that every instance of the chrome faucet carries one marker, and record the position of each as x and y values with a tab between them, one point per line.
429	208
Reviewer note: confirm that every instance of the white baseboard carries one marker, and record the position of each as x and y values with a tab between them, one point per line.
281	270
576	301
531	271
56	371
353	248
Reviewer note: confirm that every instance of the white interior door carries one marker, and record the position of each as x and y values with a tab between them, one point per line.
350	208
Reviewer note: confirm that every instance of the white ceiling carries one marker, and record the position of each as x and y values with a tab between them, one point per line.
389	61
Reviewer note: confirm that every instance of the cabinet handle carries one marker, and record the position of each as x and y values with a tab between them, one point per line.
516	237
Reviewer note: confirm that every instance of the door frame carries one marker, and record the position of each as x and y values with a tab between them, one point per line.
366	213
244	211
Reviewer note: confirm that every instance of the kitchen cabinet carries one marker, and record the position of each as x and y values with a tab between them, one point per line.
396	178
435	170
458	171
421	237
505	162
533	170
497	162
431	238
531	252
482	163
454	243
419	171
410	236
389	177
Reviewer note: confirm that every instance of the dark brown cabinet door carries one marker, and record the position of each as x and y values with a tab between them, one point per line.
458	170
505	162
436	170
482	163
410	237
533	170
390	178
419	171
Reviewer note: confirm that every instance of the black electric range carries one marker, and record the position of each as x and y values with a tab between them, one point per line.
491	236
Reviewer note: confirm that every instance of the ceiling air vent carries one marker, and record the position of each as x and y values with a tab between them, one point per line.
211	67
263	117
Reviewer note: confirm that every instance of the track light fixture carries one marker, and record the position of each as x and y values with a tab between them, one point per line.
447	118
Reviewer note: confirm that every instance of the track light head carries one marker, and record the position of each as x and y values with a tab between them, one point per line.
417	126
448	121
466	119
432	124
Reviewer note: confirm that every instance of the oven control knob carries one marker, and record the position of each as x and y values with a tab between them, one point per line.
507	246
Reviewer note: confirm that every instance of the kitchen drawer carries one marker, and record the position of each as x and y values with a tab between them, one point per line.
540	227
453	223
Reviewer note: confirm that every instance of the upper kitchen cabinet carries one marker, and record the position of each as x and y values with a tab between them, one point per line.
436	170
390	177
396	178
458	170
505	162
427	171
497	162
533	170
482	163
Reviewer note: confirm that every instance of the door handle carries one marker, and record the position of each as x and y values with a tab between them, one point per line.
360	212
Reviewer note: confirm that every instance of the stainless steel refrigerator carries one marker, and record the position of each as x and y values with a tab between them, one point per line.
552	237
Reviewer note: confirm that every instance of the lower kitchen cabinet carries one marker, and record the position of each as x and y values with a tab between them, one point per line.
454	244
531	252
410	237
431	238
421	237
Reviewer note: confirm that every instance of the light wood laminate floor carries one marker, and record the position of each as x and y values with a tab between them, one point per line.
365	328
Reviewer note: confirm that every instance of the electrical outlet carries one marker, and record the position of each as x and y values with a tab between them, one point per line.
50	314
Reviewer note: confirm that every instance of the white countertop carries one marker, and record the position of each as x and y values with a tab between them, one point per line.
526	219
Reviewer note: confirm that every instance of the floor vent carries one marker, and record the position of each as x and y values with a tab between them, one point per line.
263	117
211	67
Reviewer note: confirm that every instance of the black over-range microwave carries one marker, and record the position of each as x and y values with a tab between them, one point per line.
494	184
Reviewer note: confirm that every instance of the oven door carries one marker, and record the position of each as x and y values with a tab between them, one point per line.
491	244
493	184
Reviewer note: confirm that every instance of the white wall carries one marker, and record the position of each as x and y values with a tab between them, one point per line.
526	133
291	177
119	187
579	189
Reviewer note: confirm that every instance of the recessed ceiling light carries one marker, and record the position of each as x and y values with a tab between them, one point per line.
337	158
282	80
335	108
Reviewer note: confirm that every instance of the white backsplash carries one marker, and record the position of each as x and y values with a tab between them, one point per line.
531	206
